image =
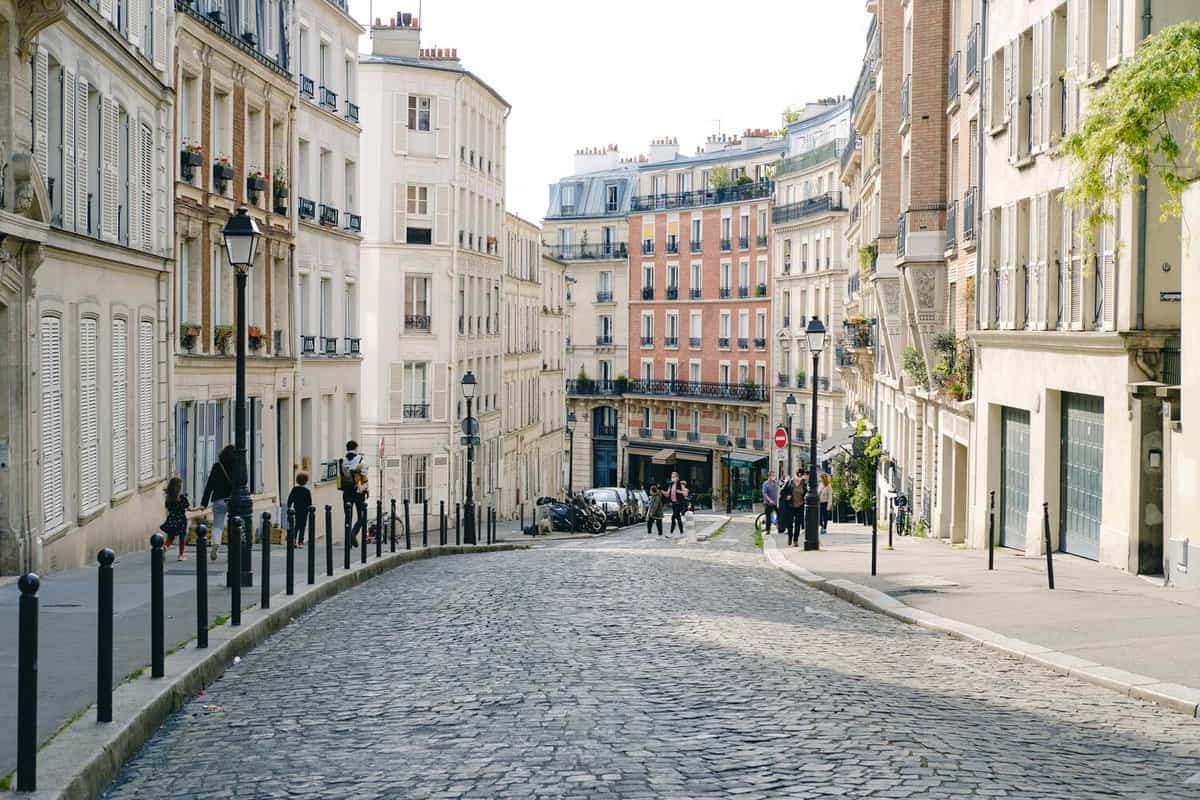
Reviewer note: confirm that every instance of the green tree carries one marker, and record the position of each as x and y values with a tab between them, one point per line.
718	177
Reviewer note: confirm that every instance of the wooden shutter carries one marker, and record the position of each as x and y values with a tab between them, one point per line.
1041	216
53	500
399	213
399	124
160	34
1107	265
1036	93
89	420
1113	25
66	188
146	447
441	225
133	183
396	392
41	112
985	104
136	19
1009	92
1081	38
443	127
109	145
1045	133
81	155
145	198
440	400
106	9
1013	94
120	408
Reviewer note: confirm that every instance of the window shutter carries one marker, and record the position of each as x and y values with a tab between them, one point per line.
1016	284
443	127
1042	243
399	124
146	185
160	34
1036	89
396	392
81	156
41	112
260	438
89	422
53	505
106	8
120	409
1013	93
1113	31
1008	81
1108	273
1046	134
109	142
441	225
67	183
134	24
985	106
438	379
399	213
1081	39
146	448
133	177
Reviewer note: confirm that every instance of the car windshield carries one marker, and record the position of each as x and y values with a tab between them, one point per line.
603	496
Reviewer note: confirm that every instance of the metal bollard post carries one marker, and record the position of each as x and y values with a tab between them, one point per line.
201	587
491	525
362	539
992	529
329	541
290	575
407	528
442	522
891	525
479	523
346	536
458	523
522	517
312	545
1049	551
392	532
27	688
265	594
104	637
379	528
425	524
235	568
157	618
874	547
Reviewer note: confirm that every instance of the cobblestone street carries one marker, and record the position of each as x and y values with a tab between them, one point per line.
633	667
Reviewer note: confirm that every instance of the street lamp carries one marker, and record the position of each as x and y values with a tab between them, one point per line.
571	457
815	334
241	236
790	406
470	428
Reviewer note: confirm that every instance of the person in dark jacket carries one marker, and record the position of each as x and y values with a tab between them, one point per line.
298	502
786	518
218	489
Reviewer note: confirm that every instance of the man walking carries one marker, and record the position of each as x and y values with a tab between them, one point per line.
770	499
352	480
786	517
797	501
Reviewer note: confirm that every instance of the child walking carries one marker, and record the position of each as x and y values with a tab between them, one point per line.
654	514
175	525
299	500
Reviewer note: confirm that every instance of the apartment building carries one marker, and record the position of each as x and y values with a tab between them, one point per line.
328	224
1076	338
433	221
551	460
587	228
234	126
811	269
86	263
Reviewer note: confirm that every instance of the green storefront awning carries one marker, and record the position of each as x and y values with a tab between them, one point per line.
741	458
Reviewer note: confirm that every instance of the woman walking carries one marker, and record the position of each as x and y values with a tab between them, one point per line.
654	513
175	525
825	496
219	488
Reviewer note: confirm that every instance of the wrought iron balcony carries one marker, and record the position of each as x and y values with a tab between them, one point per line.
603	340
353	345
647	341
724	293
329	345
351	111
951	226
645	433
353	222
647	292
722	440
746	392
648	247
743	343
810	158
973	54
695	246
328	98
740	441
671	341
417	322
672	246
306	86
329	215
758	444
783	380
306	208
703	197
952	85
672	292
760	290
604	297
830	201
906	101
743	291
694	343
901	234
726	245
416	411
695	293
308	345
723	342
743	242
761	240
760	344
604	251
968	222
693	436
590	387
669	434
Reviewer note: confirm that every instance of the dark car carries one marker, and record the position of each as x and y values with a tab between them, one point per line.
610	500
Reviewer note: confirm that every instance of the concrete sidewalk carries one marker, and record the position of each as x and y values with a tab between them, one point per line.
1097	620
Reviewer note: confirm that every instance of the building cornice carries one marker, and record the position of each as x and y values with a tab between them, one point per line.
1083	342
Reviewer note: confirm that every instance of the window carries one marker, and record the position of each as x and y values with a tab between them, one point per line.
53	505
725	420
568	198
610	198
695	231
89	421
726	270
413	471
694	371
605	282
326	308
647	276
302	304
415	387
724	372
672	276
416	296
697	272
744	325
744	273
350	309
697	324
647	326
725	325
120	406
350	174
646	416
418	201
418	112
761	325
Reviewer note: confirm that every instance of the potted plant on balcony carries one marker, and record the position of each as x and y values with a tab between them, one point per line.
866	257
621	384
222	172
217	15
188	333
279	190
190	157
256	182
760	290
222	335
254	337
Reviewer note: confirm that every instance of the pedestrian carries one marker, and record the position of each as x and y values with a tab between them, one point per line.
219	488
677	497
654	513
299	500
798	497
175	525
825	496
770	499
786	516
352	480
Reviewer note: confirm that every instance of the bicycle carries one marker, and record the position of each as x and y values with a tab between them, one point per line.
760	521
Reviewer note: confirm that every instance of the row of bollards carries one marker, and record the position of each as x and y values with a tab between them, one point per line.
305	525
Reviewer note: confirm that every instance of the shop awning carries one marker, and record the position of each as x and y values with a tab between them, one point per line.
840	441
743	458
688	455
663	457
641	451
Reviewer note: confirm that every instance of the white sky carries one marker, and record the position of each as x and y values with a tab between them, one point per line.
583	74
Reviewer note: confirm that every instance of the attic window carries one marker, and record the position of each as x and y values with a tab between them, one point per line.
568	198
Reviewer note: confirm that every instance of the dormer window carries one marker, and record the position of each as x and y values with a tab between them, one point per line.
568	198
610	198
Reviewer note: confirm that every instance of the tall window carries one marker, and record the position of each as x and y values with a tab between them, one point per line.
696	276
418	201
416	295
89	420
146	447
53	505
416	386
326	308
120	408
413	469
418	112
302	304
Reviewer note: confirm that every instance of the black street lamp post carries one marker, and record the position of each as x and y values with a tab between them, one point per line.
790	405
241	236
571	455
469	429
815	333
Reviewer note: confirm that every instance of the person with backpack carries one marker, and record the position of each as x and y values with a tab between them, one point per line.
219	488
175	525
352	480
298	502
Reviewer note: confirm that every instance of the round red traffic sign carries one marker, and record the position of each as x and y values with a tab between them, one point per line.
781	437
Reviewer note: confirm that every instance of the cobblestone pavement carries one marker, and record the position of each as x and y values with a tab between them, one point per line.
636	668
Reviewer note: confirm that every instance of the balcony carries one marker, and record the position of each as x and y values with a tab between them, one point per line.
853	146
818	155
353	222
743	343
694	343
647	341
353	345
972	65
329	215
842	358
723	342
647	292
726	245
830	201
854	212
952	226
351	112
645	433
783	380
416	411
604	340
648	247
743	291
758	444
952	84
328	99
747	392
905	104
306	208
800	436
695	246
604	387
743	243
604	251
306	87
968	221
604	297
787	322
740	441
328	346
704	197
694	293
760	344
693	436
761	290
722	440
308	345
673	246
864	87
1172	366
672	292
417	322
671	342
761	240
670	434
901	234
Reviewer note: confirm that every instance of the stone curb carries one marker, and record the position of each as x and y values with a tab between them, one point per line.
85	756
1184	699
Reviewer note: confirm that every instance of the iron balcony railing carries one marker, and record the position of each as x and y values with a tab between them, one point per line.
758	444
603	340
605	432
416	410
694	293
760	240
723	342
906	101
693	436
739	441
648	247
589	252
308	345
722	440
783	380
746	392
726	245
743	343
852	145
671	341
968	221
952	84
353	222
306	86
743	291
951	226
670	434
694	342
761	289
604	297
672	246
972	66
353	345
852	285
351	111
842	358
306	208
647	292
328	98
329	345
695	246
743	242
760	344
901	231
828	151
592	387
704	197
858	334
830	201
672	292
644	433
1172	366
864	88
416	322
329	215
647	341
724	293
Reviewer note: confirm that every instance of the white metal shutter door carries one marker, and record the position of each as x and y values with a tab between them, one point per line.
67	189
1082	474
1014	476
89	420
109	147
145	188
120	406
146	447
53	505
83	221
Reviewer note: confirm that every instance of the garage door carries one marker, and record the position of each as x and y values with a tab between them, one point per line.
1082	477
1014	476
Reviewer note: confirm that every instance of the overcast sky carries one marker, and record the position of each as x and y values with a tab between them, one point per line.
582	74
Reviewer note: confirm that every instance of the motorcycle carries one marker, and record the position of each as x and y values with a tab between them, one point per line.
575	514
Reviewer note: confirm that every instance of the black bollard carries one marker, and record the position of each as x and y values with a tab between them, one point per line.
201	587
522	517
491	525
874	547
425	525
992	529
27	689
329	541
290	574
346	537
407	529
392	527
312	545
479	523
891	525
157	619
1049	551
235	568
379	528
442	519
265	595
104	637
362	537
457	523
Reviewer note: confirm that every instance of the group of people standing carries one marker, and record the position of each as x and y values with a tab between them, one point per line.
785	503
675	494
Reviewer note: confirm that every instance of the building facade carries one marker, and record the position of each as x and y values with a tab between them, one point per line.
433	218
555	322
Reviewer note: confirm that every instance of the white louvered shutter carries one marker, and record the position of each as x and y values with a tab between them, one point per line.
146	448
1107	264
41	112
1046	134
399	213
1008	81
1012	70
1016	284
985	104
160	34
133	186
1005	264
441	403
106	9
441	224
89	418
1081	39
1113	24
53	501
1035	89
145	198
134	25
399	123
1042	215
120	406
443	127
81	156
67	188
109	145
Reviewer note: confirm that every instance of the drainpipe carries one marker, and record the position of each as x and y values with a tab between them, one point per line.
1140	297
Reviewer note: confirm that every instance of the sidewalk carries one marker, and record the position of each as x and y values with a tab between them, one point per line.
1095	618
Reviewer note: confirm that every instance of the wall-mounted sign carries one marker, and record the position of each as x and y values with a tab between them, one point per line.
1170	297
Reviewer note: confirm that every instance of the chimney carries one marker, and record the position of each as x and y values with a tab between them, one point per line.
400	37
597	159
664	149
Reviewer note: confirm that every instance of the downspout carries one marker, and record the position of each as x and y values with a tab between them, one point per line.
28	342
1140	294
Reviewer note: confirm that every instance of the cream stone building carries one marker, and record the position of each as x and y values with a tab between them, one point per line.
431	266
555	324
85	292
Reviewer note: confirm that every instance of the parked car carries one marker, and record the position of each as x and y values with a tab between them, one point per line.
643	501
609	500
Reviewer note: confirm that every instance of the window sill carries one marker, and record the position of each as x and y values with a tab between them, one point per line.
146	485
121	499
1025	161
87	516
996	130
51	536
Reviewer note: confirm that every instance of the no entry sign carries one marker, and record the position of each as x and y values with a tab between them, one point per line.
781	437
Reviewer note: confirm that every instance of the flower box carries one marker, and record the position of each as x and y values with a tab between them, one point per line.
256	183
222	171
223	335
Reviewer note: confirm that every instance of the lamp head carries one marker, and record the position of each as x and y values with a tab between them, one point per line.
815	334
469	385
241	235
790	404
